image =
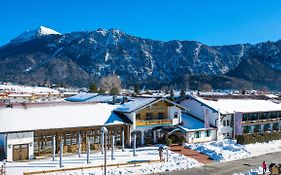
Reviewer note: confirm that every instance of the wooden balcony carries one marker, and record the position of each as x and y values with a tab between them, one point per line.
153	122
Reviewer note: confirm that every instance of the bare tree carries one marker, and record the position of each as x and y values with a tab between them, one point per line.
110	81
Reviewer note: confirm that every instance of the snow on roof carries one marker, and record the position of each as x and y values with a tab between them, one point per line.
271	96
134	104
81	97
104	98
20	95
191	123
57	116
26	89
226	106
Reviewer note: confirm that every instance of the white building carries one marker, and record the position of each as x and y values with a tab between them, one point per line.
28	131
257	115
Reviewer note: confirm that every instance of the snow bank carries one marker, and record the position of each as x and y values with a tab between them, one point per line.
220	151
257	149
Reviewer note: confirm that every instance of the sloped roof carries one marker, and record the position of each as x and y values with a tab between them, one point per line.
81	97
136	104
245	105
57	116
190	123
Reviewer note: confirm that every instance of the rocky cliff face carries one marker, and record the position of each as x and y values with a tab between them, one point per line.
80	58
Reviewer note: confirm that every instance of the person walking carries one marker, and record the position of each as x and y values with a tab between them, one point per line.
263	167
161	153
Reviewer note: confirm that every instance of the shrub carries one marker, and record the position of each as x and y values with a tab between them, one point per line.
258	137
169	142
181	140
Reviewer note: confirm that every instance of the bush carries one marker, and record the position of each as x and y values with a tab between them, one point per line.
169	142
114	91
181	140
258	137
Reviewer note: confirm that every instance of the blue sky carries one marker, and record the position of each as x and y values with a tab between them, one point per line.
213	22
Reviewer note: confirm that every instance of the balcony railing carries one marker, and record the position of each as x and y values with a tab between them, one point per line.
153	122
261	121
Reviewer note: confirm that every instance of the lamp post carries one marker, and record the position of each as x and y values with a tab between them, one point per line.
104	134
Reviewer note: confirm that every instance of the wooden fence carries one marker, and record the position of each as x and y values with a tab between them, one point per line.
134	163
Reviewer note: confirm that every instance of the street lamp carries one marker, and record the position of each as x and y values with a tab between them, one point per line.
104	134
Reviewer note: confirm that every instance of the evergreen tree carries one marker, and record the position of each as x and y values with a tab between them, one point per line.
182	93
172	94
136	89
93	88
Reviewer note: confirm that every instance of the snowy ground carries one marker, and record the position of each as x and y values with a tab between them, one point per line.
252	172
175	162
227	150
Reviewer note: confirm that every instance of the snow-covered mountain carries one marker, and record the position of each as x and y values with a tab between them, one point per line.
35	33
80	58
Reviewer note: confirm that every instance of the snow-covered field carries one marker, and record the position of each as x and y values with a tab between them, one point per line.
227	150
175	162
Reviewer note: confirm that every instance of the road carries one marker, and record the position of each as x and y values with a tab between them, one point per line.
229	168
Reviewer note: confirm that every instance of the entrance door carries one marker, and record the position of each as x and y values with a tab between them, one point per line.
20	152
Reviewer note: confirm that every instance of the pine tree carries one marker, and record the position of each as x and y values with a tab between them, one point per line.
182	93
136	89
172	94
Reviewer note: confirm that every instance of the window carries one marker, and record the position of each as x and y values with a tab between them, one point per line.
160	115
224	123
176	115
197	134
245	117
256	128
246	129
207	133
227	134
227	122
138	116
148	116
275	126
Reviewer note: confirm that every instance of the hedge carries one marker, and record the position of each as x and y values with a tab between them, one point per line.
258	137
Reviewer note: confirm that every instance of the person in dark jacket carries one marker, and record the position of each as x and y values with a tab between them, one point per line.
161	153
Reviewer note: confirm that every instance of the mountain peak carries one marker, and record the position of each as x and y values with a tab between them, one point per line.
35	33
42	30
